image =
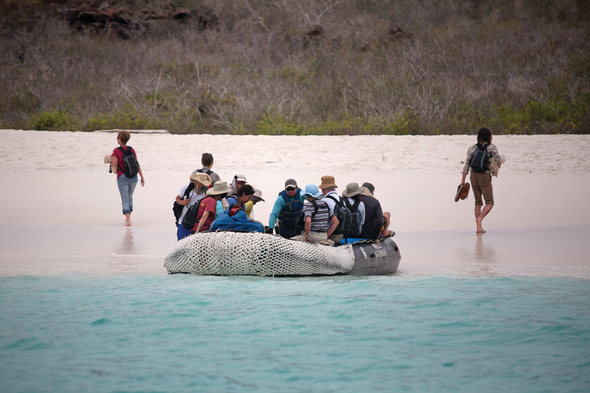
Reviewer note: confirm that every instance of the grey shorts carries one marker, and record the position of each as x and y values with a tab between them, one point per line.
481	183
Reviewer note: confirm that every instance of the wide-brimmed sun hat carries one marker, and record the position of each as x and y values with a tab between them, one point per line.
328	182
220	187
312	190
352	189
257	197
202	178
369	186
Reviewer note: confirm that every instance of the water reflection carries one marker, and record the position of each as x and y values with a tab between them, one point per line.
127	246
482	253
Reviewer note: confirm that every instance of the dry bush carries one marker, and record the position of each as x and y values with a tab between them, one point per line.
309	66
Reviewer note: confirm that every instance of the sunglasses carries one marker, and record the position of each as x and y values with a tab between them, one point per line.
290	188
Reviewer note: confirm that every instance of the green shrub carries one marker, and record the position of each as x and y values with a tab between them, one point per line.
508	120
405	123
125	120
56	120
277	125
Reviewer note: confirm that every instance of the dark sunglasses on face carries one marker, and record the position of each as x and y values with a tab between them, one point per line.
290	188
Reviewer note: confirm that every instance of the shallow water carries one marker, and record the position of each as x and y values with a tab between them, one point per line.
77	332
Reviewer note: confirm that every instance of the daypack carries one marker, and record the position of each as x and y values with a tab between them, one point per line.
480	162
300	225
177	207
208	171
130	164
190	218
344	216
355	223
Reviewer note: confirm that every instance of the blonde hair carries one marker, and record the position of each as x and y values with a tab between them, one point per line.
124	136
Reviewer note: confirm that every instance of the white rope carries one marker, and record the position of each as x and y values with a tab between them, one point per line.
239	253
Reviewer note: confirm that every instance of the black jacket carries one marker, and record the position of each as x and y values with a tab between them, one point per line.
373	217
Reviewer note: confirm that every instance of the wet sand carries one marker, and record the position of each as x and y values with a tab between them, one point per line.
61	214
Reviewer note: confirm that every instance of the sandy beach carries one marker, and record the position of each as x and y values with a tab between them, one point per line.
60	208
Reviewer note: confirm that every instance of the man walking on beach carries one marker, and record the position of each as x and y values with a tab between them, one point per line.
478	157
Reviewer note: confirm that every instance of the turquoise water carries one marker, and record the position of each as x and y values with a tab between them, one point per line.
147	333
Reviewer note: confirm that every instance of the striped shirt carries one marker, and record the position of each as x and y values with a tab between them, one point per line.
322	219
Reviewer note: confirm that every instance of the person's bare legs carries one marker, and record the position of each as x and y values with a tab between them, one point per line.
127	219
384	231
479	216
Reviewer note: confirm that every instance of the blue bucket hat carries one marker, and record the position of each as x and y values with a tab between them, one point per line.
312	190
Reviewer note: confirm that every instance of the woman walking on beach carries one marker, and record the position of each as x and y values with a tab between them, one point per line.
477	160
126	174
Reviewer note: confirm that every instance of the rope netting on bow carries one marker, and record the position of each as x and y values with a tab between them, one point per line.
253	253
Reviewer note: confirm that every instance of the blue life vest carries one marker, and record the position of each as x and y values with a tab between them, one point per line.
289	216
232	200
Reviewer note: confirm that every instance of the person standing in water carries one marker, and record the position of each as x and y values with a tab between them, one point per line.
481	179
126	185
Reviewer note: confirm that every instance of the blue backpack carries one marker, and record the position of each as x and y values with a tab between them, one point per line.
480	162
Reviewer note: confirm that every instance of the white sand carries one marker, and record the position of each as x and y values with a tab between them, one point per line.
61	211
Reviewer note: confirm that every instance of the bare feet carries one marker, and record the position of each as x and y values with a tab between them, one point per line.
480	229
127	223
127	219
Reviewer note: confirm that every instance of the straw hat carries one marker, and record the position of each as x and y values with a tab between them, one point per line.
202	178
328	182
352	189
220	187
312	190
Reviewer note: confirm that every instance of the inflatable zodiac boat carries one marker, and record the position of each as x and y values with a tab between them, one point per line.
258	254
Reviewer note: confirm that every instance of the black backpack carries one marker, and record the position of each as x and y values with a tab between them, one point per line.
355	224
480	162
343	214
208	171
190	218
177	207
130	164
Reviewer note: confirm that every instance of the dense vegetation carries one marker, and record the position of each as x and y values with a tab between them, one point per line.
299	67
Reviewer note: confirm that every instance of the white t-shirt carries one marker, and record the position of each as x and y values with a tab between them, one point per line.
329	201
194	198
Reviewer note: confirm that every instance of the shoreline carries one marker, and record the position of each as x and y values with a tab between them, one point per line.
527	252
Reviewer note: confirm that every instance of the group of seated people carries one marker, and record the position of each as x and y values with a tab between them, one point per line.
311	214
314	214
